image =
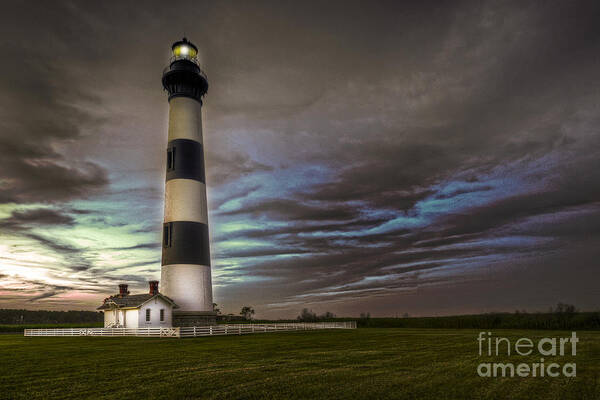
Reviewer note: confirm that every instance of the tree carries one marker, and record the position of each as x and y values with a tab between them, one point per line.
12	316
562	308
327	315
247	312
307	315
216	309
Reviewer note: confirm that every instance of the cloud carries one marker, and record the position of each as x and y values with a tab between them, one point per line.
38	216
293	210
42	116
224	168
141	246
43	296
27	223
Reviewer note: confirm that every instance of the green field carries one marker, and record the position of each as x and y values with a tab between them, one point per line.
331	364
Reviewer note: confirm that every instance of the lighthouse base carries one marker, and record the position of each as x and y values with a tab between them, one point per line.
194	318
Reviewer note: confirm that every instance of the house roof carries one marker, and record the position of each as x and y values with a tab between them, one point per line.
132	301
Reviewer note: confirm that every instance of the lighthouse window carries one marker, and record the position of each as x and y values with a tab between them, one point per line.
162	315
148	314
170	158
167	235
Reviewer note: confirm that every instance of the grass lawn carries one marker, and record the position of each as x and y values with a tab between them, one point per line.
330	364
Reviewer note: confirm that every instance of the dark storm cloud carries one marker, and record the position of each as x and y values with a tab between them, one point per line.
39	216
41	114
572	190
57	246
463	191
223	168
293	210
141	246
431	247
393	174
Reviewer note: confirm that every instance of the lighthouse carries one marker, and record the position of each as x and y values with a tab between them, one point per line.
185	271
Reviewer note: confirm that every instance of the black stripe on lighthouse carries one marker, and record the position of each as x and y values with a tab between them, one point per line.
185	242
185	160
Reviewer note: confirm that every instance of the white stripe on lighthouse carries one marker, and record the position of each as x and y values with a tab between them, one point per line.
185	119
185	200
189	284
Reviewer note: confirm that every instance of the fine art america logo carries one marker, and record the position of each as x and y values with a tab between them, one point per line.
546	347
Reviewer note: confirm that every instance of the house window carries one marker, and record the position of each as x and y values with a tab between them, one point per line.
148	315
170	158
167	234
162	315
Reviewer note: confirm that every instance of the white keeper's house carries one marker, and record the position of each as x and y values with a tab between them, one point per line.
149	310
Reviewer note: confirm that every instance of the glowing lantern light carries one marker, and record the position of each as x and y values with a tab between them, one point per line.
185	49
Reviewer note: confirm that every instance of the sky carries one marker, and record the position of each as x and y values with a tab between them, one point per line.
429	158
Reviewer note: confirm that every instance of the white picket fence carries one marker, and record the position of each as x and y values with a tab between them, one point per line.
154	332
242	329
193	331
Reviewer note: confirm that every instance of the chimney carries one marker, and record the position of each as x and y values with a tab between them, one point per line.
123	290
153	287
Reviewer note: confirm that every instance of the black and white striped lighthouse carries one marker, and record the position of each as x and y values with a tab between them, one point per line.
185	272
